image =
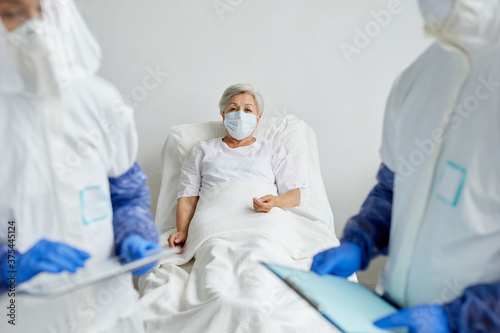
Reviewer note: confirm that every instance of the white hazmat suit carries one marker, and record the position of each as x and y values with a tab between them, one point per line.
435	210
63	132
443	142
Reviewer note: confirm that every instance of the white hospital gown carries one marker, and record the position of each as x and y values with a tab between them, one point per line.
211	162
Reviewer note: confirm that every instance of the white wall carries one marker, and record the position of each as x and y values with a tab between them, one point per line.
289	49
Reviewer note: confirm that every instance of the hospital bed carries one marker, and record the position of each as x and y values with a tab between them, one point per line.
164	305
293	132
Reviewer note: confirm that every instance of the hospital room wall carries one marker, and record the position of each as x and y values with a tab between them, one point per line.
329	62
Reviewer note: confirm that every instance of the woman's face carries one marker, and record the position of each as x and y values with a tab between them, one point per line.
242	102
15	12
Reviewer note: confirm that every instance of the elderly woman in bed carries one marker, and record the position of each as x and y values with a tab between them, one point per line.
237	156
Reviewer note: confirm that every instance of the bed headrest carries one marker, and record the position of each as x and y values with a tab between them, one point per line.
290	130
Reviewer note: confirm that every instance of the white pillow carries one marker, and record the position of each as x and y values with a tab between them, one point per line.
290	130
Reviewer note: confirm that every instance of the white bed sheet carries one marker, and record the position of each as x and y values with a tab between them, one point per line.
226	289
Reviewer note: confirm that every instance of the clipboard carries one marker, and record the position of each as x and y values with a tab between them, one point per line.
351	307
54	285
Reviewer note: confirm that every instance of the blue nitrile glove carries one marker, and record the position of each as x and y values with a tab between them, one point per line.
420	319
343	260
47	256
135	247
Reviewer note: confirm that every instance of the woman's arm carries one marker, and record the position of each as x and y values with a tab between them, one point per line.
285	201
185	211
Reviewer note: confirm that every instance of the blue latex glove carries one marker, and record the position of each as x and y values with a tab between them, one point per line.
420	319
47	256
135	247
343	260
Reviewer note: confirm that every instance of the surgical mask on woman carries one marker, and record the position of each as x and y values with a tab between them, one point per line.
240	124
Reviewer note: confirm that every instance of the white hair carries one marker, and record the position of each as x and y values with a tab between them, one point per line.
240	88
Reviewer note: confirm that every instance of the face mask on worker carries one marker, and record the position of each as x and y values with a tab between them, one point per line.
240	124
53	45
32	39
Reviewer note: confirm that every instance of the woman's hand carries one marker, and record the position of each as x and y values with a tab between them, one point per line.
285	201
264	204
177	239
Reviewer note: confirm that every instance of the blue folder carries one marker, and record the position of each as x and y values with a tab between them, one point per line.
349	306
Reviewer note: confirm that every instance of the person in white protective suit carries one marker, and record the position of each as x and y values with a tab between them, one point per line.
436	208
70	186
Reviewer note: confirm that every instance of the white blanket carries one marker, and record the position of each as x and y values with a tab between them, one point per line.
227	289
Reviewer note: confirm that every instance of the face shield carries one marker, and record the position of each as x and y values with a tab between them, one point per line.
35	33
